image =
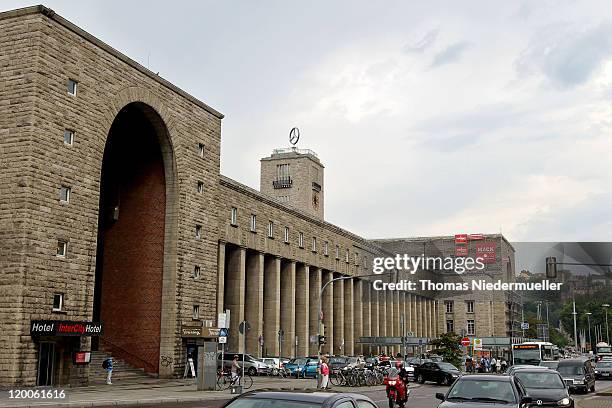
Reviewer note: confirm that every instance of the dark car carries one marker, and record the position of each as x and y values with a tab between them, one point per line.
545	386
441	373
603	370
484	391
300	399
416	361
578	374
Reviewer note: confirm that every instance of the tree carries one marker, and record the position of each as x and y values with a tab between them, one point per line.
448	345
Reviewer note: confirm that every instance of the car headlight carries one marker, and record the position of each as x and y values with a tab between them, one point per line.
564	402
596	372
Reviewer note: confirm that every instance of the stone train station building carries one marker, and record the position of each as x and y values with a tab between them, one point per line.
113	211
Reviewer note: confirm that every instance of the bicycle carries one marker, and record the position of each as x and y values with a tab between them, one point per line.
225	380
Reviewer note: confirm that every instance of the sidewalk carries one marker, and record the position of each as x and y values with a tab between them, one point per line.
601	399
146	393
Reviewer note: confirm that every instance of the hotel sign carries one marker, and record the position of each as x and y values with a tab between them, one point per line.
65	328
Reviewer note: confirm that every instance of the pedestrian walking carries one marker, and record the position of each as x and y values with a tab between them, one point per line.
235	369
108	366
498	366
324	373
504	365
493	365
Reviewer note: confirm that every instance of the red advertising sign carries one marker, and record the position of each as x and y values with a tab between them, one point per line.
461	239
82	357
461	251
476	237
465	341
486	251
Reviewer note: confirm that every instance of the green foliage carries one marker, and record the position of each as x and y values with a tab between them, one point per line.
448	345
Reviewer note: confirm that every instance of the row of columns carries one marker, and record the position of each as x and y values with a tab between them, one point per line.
274	293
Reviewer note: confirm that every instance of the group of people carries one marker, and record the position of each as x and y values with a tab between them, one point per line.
485	365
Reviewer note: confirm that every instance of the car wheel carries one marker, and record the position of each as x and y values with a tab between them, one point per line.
252	371
275	372
421	379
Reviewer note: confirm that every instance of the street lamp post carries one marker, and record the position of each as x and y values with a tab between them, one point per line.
589	320
606	306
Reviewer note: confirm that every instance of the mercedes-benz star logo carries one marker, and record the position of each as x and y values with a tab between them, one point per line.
539	402
294	136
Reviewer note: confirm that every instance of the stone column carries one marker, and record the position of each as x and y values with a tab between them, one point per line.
396	320
339	316
220	278
374	317
235	291
417	315
313	304
390	318
288	307
366	314
358	313
349	324
272	274
254	310
302	308
328	312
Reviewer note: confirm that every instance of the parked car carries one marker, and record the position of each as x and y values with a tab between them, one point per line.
441	373
578	374
296	399
546	387
252	366
416	361
302	366
478	391
338	362
603	370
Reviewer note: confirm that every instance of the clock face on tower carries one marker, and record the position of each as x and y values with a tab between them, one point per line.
315	200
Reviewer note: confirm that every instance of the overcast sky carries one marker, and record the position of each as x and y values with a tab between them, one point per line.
430	117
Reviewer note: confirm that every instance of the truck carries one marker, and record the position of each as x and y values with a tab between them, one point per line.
603	350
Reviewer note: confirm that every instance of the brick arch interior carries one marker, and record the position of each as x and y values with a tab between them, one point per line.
131	237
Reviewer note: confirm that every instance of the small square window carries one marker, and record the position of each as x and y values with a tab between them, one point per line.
196	272
253	223
72	87
200	187
64	194
62	247
198	231
234	216
196	312
286	235
68	137
449	306
270	229
58	302
201	149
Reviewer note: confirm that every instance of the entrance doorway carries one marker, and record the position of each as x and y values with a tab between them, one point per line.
46	364
131	232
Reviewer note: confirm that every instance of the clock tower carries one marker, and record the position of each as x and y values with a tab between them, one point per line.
294	177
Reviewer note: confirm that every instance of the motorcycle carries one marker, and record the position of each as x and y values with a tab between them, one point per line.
397	392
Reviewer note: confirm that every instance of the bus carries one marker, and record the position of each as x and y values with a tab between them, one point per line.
533	352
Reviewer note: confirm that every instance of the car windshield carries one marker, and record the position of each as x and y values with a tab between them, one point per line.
604	349
270	403
550	364
604	364
352	360
447	366
527	356
570	370
540	379
482	390
298	361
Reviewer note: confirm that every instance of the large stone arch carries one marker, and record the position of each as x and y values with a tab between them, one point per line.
162	120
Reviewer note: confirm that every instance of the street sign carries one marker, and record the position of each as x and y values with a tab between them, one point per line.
261	340
222	339
461	239
461	251
313	339
465	341
410	334
476	237
222	320
525	326
420	342
223	333
477	344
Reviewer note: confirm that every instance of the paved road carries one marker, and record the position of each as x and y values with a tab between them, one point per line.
423	396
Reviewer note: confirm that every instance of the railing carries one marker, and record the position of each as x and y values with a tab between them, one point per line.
294	150
128	356
282	183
